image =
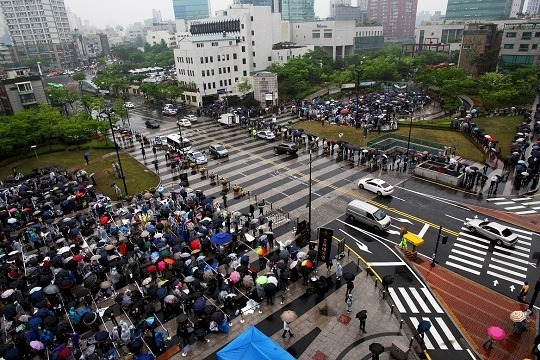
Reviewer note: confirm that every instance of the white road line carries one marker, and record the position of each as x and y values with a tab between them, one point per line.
314	193
523	242
510	272
510	257
505	250
504	203
427	342
525	250
522	268
522	199
536	207
515	207
386	263
244	175
432	300
473	243
521	231
396	300
436	336
284	194
475	237
462	253
496	199
420	301
449	263
423	231
408	300
526	212
499	276
470	249
453	217
532	203
448	333
472	263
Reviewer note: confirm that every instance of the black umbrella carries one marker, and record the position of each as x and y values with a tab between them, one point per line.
269	288
361	315
226	260
281	265
90	280
218	317
89	318
181	318
209	309
242	269
376	348
135	346
8	309
50	322
348	276
274	258
312	254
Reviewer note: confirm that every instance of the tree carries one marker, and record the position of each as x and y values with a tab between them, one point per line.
78	76
243	86
62	97
120	110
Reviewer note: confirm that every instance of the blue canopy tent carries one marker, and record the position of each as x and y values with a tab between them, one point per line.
253	344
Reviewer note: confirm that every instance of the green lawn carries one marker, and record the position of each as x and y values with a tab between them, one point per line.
501	128
138	177
464	148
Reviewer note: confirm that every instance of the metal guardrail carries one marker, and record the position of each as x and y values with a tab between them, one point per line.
393	139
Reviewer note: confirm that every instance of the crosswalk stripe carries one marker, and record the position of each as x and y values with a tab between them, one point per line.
499	276
462	253
433	331
473	243
397	300
495	199
472	263
511	272
448	333
525	250
522	199
509	251
504	203
536	207
510	257
408	300
470	249
521	231
526	212
427	342
522	268
419	300
515	207
475	237
532	203
432	301
462	268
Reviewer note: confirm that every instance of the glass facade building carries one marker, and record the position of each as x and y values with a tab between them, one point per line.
480	10
191	9
257	3
298	10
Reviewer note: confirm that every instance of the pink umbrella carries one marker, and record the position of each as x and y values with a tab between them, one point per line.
496	333
161	266
234	277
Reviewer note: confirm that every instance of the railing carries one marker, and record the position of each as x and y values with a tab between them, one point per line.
394	140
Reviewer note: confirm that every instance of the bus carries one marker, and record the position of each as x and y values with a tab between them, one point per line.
174	142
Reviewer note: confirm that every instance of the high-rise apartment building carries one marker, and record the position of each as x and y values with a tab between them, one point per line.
336	3
191	9
533	7
298	10
396	16
274	4
483	10
40	29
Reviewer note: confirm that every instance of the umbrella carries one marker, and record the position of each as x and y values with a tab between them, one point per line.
261	280
218	317
181	318
208	275
170	299
307	263
226	260
7	293
272	280
376	348
242	269
101	335
423	326
361	315
348	276
517	316
235	276
221	238
189	279
496	333
34	323
199	304
135	346
105	285
269	288
261	251
293	264
288	316
247	281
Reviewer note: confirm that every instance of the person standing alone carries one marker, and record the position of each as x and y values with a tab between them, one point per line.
286	328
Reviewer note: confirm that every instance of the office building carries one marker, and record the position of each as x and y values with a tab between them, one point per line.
188	10
274	4
519	46
396	16
156	16
480	47
483	10
19	90
298	10
344	12
533	7
336	3
40	29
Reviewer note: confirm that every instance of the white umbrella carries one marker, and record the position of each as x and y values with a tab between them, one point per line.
293	264
64	249
301	255
272	280
12	221
146	281
7	293
37	288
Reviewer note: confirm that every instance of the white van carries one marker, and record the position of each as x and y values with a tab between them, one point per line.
368	214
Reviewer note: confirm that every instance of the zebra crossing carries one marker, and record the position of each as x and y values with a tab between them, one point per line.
477	255
417	304
519	206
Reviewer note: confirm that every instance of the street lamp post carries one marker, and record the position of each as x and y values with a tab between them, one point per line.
409	139
122	176
309	197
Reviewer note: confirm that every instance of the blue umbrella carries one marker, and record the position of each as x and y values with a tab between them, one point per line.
221	238
423	326
145	356
74	231
150	228
161	293
42	312
102	336
199	304
34	323
31	335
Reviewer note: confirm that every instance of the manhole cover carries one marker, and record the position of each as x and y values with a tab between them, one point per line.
345	319
319	356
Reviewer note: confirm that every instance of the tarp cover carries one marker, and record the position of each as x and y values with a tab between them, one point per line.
253	344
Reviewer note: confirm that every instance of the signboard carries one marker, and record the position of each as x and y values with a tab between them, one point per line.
269	97
222	91
348	86
325	244
334	91
302	234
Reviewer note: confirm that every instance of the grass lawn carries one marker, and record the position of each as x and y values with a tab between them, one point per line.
464	148
138	177
501	128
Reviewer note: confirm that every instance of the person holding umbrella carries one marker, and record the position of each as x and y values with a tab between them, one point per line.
288	316
362	316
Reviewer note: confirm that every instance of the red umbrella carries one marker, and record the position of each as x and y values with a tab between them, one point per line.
161	266
151	269
103	220
77	257
195	244
344	111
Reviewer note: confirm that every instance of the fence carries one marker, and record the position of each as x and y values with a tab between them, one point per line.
390	141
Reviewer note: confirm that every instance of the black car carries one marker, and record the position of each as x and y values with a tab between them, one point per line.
287	148
152	124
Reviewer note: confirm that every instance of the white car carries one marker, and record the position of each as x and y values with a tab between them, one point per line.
492	230
197	157
266	134
184	122
192	118
129	105
378	186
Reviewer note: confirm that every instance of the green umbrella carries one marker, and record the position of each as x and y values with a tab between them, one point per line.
261	280
164	253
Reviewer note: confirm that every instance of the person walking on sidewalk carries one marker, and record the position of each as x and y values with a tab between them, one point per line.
224	198
489	341
339	271
348	302
143	153
286	328
362	316
523	292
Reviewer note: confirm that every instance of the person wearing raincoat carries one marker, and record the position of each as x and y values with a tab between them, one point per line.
115	277
74	316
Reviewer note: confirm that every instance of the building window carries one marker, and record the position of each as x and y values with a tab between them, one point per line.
229	81
508	46
220	83
24	87
254	65
537	34
252	43
526	35
235	68
316	35
212	72
244	73
510	34
269	58
243	49
244	61
219	70
523	47
202	60
234	56
534	47
254	54
219	58
227	57
211	59
252	32
327	35
206	59
203	73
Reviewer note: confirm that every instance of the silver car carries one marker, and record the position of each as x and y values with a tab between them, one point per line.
492	230
218	150
197	157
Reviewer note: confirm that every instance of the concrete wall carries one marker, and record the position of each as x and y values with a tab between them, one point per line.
438	176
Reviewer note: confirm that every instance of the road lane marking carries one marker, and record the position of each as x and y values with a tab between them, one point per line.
432	301
423	231
462	253
397	301
521	231
504	203
448	333
510	272
499	276
427	342
506	256
387	263
408	300
515	207
475	272
523	199
522	268
473	243
420	301
507	251
496	199
526	212
472	263
436	336
531	203
470	249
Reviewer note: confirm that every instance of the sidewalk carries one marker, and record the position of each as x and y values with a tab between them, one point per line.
474	308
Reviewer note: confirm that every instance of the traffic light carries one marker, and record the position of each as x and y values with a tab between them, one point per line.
444	239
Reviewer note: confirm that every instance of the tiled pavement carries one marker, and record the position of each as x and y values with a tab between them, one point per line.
474	308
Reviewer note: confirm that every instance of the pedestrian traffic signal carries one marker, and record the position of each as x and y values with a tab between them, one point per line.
445	239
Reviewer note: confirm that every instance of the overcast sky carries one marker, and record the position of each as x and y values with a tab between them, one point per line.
123	12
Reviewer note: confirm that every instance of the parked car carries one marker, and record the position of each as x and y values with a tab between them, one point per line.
192	118
287	148
197	157
151	124
378	186
184	122
129	105
169	112
266	134
218	150
501	234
